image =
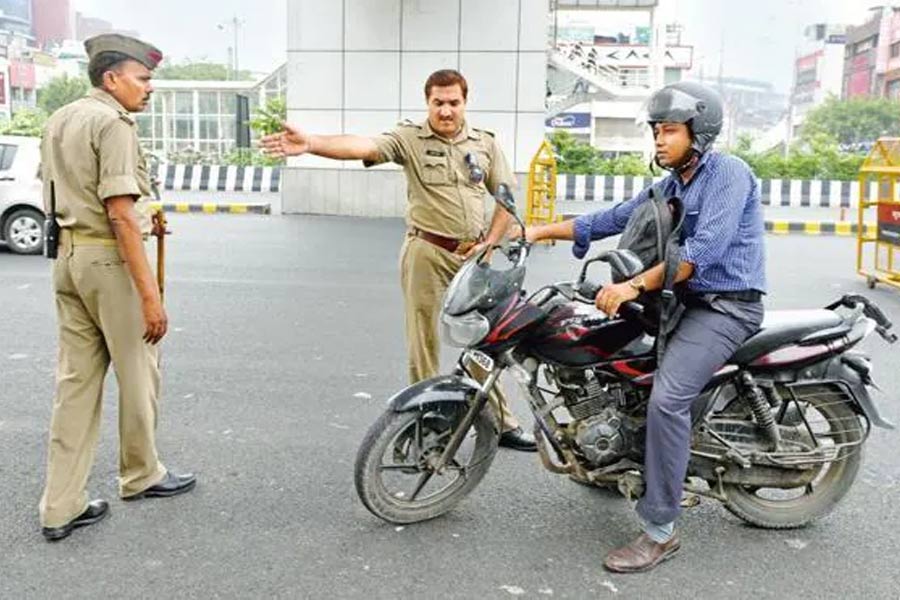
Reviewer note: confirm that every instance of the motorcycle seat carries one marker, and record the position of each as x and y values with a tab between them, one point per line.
782	327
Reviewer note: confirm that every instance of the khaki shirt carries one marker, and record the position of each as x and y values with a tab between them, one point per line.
441	197
90	151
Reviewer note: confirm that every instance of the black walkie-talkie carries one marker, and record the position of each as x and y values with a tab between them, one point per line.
51	227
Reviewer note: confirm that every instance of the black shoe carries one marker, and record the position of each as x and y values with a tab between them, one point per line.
171	485
518	439
96	510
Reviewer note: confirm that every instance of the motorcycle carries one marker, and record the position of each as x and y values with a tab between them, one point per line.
778	432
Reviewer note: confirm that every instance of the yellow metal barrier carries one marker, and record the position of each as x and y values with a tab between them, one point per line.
540	207
881	168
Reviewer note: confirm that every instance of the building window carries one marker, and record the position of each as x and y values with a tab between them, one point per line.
184	128
208	103
184	103
864	45
615	128
209	128
892	90
228	128
895	49
145	126
229	103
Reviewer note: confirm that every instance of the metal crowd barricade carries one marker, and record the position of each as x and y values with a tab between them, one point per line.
878	190
540	205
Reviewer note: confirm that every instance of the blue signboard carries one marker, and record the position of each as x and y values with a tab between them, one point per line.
570	121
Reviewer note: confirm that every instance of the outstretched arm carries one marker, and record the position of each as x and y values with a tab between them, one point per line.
293	141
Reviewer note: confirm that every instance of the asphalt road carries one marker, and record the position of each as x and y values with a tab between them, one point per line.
285	340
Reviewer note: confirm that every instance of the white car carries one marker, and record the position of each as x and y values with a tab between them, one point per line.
21	202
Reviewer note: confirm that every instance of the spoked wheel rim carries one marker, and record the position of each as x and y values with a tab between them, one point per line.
823	417
407	470
830	432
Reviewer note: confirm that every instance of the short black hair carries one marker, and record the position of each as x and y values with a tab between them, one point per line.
446	78
103	62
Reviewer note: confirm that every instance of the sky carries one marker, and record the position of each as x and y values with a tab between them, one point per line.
187	29
755	39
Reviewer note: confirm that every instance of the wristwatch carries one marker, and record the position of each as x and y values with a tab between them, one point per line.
638	284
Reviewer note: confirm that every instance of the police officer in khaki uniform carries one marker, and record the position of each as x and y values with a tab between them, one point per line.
449	167
107	300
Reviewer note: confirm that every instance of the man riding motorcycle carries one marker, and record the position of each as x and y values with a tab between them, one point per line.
722	267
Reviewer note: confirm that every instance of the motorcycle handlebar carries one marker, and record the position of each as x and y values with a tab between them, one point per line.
589	289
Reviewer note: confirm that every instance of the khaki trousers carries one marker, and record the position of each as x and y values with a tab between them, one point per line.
100	321
425	273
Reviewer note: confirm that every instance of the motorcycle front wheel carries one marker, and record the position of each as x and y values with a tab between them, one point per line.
395	472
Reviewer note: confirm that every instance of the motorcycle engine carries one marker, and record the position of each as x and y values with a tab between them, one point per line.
602	438
599	428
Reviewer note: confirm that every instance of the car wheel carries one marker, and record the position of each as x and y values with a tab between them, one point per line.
24	231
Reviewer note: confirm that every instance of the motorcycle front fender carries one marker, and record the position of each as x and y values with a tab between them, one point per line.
431	392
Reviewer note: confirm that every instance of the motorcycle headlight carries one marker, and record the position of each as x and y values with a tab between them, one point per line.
465	330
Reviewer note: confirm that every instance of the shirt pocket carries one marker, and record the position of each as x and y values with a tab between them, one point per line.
689	227
435	170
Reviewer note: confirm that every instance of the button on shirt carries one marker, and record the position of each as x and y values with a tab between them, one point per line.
723	229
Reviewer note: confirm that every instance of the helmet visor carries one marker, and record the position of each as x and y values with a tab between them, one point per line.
668	106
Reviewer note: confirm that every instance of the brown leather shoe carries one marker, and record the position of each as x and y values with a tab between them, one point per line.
640	555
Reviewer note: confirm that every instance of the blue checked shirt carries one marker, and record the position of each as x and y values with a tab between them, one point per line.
723	227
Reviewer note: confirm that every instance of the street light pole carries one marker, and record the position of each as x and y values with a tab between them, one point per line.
235	24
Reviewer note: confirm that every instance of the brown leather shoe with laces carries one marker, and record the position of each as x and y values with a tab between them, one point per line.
641	555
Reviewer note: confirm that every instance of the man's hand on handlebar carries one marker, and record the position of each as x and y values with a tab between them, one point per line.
475	249
611	297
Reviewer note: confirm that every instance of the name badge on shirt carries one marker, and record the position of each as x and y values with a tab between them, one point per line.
435	153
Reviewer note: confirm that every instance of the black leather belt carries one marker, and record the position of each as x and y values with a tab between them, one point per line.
741	296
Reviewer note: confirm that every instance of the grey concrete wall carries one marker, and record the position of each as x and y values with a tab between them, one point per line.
359	66
356	193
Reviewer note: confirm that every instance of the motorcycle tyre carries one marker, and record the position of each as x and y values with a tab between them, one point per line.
745	505
385	506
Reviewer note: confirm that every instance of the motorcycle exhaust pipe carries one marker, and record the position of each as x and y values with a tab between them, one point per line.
542	444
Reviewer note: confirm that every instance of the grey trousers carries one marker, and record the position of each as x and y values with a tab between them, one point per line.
705	339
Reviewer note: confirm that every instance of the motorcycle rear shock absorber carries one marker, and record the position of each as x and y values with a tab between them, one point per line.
762	410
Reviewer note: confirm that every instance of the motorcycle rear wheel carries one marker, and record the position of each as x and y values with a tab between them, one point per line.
408	444
787	509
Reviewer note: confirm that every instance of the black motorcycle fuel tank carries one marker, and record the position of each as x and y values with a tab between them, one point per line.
574	338
510	321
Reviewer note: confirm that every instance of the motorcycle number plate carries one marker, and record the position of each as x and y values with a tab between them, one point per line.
482	360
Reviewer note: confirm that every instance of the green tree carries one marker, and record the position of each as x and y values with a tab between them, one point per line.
624	164
270	117
61	90
578	158
573	156
817	158
265	120
25	121
200	71
248	157
852	121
